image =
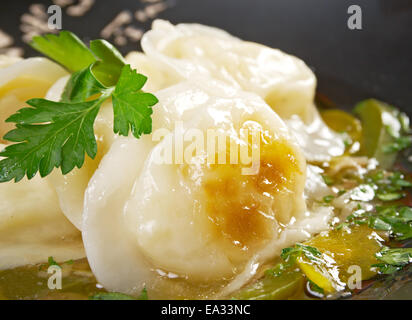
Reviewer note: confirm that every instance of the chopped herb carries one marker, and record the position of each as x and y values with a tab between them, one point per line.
291	254
392	196
111	296
399	144
341	192
328	180
328	198
393	260
401	139
143	295
388	186
342	225
119	296
52	262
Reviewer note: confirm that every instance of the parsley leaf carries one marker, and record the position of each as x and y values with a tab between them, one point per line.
401	138
388	186
65	48
143	295
328	198
119	296
291	254
108	68
111	296
397	220
131	106
81	86
393	259
52	262
51	134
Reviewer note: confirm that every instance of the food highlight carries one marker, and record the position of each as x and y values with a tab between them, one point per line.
229	180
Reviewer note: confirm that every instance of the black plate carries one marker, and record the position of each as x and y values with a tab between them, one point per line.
350	64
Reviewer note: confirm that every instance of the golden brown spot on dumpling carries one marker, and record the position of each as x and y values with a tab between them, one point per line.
243	209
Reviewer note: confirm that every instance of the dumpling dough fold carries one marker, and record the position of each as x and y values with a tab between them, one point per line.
32	226
282	80
285	82
192	220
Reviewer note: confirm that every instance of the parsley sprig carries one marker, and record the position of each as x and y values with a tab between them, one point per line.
51	134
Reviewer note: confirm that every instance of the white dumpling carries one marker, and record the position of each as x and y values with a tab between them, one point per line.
282	80
32	226
6	60
157	79
193	223
22	80
70	187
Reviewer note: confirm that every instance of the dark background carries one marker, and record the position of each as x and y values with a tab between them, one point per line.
350	64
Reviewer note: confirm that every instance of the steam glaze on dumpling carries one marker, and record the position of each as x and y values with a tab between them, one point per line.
196	220
282	80
70	187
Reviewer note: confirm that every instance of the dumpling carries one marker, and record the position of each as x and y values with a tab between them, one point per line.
70	187
32	226
157	78
6	61
282	80
176	221
22	80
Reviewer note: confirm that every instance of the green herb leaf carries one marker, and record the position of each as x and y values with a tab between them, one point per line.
399	144
111	296
81	86
52	262
291	254
391	196
110	63
143	295
328	180
388	185
393	259
119	296
328	198
52	134
66	49
131	106
49	135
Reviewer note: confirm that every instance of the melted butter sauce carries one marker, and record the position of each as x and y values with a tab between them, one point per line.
242	208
